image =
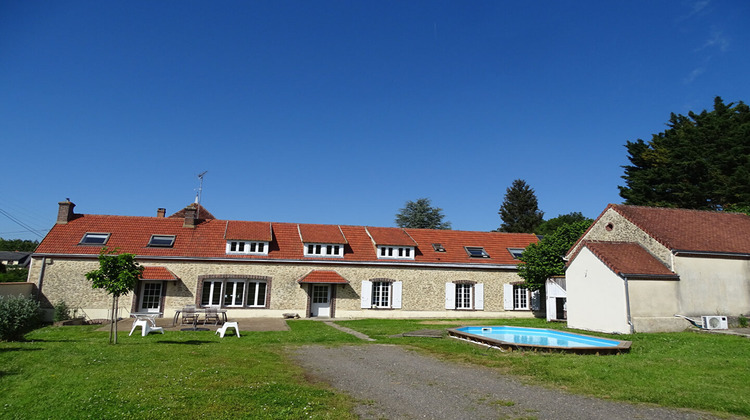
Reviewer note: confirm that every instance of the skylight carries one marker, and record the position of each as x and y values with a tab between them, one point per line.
438	247
163	241
94	239
476	252
515	252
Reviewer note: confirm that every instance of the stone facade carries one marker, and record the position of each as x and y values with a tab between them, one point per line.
423	287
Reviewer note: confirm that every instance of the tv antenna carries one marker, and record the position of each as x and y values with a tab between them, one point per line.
198	196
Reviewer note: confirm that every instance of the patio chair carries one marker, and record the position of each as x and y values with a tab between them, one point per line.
189	315
211	315
223	329
146	326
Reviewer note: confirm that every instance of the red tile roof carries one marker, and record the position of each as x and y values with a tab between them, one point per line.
323	276
629	259
321	234
248	231
692	230
207	240
157	273
390	236
202	213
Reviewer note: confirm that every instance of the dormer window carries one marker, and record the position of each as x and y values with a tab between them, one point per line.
161	241
94	239
247	247
476	252
515	252
324	250
396	252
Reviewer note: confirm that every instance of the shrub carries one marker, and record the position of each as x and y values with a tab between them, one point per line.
18	315
62	311
743	321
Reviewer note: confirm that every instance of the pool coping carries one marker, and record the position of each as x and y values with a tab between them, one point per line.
622	347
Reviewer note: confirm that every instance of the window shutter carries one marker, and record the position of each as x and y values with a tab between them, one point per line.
479	296
397	287
536	300
450	296
366	294
508	297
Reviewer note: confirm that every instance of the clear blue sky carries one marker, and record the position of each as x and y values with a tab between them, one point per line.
341	111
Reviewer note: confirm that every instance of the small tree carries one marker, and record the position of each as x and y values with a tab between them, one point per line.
421	215
544	259
118	275
520	210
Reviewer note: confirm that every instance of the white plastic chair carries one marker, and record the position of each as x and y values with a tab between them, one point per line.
146	327
223	329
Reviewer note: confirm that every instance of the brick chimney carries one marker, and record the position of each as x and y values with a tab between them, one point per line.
65	212
190	215
161	212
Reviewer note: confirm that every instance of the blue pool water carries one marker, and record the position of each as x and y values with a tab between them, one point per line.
539	337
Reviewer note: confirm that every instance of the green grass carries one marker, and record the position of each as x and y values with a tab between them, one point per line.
668	369
72	372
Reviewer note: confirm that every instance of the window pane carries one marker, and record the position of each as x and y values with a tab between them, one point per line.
261	246
251	291
261	294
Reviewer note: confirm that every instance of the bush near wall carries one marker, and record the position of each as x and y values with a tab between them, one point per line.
18	315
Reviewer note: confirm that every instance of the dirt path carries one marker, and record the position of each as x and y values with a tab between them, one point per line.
394	383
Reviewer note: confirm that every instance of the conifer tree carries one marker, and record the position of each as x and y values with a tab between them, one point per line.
520	210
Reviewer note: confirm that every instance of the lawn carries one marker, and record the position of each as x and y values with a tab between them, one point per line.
71	372
708	372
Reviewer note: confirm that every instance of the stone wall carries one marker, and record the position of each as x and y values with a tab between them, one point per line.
613	227
423	287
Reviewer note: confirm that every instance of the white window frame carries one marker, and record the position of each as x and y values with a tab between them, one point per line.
394	290
247	248
395	252
324	250
476	297
512	298
217	289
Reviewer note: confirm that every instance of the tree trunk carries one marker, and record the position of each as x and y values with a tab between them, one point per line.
112	321
117	305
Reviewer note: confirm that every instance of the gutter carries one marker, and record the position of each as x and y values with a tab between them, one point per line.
710	253
297	261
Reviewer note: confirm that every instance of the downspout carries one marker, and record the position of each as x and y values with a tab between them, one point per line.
41	279
627	304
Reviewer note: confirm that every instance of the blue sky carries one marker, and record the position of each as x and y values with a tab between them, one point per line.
341	111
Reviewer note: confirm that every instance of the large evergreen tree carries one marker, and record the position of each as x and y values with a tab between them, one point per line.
421	215
520	210
702	161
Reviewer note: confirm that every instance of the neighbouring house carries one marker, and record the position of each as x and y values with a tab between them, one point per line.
267	269
14	259
637	267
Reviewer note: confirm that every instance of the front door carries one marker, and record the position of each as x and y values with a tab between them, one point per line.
150	297
321	300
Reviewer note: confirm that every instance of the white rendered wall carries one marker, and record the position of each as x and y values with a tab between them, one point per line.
713	286
596	296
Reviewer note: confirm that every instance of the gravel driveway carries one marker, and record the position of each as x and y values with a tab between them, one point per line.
391	382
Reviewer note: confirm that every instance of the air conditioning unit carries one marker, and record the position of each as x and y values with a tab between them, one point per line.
715	322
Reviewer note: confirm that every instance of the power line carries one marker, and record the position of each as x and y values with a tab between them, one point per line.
22	224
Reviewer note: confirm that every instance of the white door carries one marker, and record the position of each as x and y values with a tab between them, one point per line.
150	296
321	300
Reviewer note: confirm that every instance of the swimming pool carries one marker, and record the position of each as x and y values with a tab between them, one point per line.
539	339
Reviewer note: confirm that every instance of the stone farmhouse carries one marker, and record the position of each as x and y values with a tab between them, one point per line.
267	269
637	267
